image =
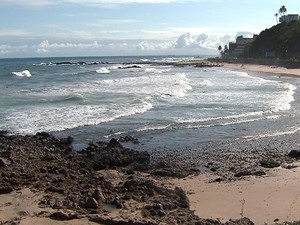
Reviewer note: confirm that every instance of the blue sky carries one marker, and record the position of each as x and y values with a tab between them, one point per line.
40	28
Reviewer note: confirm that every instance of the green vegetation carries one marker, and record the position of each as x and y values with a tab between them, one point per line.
281	41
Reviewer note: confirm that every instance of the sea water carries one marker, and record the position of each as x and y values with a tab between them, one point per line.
163	106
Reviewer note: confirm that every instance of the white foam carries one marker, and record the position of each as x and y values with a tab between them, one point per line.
53	118
102	70
24	73
291	130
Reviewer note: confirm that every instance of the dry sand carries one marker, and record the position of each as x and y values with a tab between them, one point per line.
23	206
280	71
275	196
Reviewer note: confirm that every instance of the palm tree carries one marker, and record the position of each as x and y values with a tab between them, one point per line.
276	15
282	10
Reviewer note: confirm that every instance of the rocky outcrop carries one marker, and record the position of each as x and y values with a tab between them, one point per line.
98	182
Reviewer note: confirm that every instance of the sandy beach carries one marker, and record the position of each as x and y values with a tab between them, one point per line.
280	71
272	196
268	199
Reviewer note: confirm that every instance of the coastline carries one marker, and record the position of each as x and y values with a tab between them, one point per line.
215	193
266	199
279	71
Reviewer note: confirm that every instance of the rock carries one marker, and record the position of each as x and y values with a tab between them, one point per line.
243	173
63	216
243	221
269	163
91	203
6	190
3	163
98	195
183	199
294	154
259	173
114	143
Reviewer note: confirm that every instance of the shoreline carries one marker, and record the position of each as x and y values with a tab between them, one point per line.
269	194
280	71
228	180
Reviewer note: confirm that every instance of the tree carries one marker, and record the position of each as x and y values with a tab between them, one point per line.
282	11
220	48
276	15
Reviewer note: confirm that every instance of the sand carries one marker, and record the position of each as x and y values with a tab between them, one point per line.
23	206
274	197
280	71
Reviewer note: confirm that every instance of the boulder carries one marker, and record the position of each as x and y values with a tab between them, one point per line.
269	163
294	154
91	203
6	190
3	162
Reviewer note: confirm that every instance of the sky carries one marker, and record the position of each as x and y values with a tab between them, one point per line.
49	28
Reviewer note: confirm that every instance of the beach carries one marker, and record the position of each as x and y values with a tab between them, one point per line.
279	71
252	176
272	197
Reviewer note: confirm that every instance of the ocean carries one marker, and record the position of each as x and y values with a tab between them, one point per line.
159	105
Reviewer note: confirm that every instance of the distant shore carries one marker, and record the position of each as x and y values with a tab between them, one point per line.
280	71
277	70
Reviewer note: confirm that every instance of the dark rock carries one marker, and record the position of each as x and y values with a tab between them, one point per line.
183	199
98	195
44	134
269	164
6	190
243	173
114	143
218	179
3	163
294	154
91	203
259	173
243	221
170	172
63	216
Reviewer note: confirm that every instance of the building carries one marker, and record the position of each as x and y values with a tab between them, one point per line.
288	18
238	48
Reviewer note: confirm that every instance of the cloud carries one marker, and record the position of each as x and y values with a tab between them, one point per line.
187	41
45	46
8	49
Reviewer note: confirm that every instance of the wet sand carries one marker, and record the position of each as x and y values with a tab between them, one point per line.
280	71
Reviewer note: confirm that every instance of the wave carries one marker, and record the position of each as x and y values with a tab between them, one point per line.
102	70
52	118
24	73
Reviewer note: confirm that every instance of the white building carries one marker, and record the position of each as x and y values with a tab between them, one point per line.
288	18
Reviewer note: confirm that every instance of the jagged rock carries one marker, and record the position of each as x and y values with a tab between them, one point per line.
91	203
3	162
243	221
6	190
98	195
269	164
63	216
294	154
243	173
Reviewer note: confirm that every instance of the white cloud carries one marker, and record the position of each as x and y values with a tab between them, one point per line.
45	46
187	41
